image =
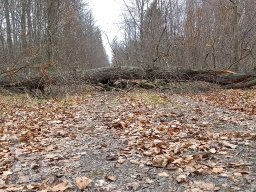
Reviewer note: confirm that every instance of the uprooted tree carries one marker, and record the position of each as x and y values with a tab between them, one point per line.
110	75
226	78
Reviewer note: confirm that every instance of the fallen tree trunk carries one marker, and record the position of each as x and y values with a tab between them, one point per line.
25	84
226	78
109	75
242	85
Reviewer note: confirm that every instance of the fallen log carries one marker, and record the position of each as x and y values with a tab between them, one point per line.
109	75
226	78
242	85
25	85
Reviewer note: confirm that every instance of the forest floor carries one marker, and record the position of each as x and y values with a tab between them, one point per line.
183	139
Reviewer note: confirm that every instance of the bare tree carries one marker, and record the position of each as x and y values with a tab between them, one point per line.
189	34
48	35
236	32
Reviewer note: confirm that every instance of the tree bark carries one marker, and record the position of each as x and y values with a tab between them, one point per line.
225	78
23	24
8	28
236	34
109	75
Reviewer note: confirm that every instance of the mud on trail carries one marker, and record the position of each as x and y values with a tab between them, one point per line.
140	140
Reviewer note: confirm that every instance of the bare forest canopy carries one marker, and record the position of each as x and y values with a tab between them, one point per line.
39	35
198	34
58	39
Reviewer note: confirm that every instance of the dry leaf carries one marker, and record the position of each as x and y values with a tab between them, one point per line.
157	142
83	182
14	188
119	125
51	156
2	183
178	161
160	161
217	170
196	190
229	145
181	178
190	169
112	157
133	186
72	136
225	175
212	150
6	174
61	187
120	160
55	122
149	181
163	174
223	153
238	174
148	153
205	186
134	161
111	178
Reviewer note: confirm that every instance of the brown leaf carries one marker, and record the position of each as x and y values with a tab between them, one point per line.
178	161
229	145
238	174
1	130
181	178
134	161
206	186
61	187
51	156
212	150
163	174
119	125
6	174
217	170
111	178
83	182
160	161
72	136
133	186
120	160
111	157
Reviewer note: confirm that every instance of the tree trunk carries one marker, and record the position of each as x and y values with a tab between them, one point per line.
23	24
236	34
51	26
109	75
8	28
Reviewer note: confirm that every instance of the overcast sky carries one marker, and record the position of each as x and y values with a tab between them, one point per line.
107	14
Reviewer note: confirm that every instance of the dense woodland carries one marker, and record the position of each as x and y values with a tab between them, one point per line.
60	39
202	34
53	35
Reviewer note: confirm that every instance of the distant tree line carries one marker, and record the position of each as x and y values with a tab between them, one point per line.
42	35
199	34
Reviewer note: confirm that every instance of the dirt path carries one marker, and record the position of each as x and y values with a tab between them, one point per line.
106	142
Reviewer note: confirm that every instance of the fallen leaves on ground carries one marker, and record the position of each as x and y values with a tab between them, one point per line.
149	124
237	100
61	187
83	182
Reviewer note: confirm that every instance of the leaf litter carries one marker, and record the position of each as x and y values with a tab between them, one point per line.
141	140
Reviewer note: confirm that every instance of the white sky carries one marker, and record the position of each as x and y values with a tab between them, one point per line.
107	14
